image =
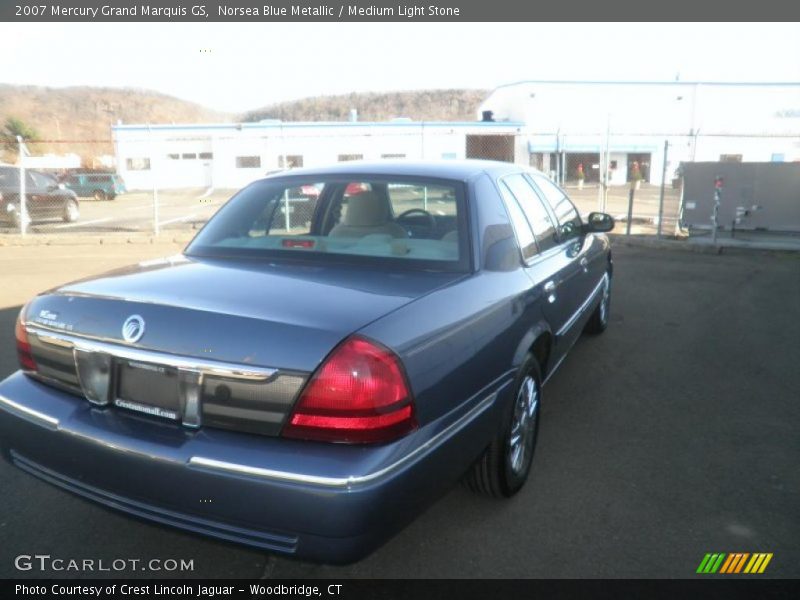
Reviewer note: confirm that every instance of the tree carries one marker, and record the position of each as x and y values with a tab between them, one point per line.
12	128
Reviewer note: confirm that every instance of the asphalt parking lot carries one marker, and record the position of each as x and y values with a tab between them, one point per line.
672	435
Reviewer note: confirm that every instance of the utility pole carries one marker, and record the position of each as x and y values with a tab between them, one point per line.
607	165
718	183
661	195
23	195
156	227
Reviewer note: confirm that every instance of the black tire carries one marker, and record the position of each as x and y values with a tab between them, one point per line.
598	322
494	473
100	195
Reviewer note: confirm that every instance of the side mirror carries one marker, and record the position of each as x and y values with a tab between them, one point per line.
598	222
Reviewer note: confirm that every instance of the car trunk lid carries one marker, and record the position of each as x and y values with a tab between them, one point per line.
243	337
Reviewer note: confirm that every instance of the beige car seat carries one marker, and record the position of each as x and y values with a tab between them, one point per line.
367	213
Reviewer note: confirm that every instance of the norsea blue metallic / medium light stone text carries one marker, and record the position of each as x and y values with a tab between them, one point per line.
409	11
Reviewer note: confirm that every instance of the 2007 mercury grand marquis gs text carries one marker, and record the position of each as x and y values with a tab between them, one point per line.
333	350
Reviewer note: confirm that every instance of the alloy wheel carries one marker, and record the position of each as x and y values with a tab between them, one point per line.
523	427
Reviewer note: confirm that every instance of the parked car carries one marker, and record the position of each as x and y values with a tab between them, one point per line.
310	391
100	186
45	197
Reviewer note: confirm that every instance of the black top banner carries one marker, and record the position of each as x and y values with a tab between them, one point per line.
398	11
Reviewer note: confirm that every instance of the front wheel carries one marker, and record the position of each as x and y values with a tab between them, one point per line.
100	195
504	467
71	212
598	322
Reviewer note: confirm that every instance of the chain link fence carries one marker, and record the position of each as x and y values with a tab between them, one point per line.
169	180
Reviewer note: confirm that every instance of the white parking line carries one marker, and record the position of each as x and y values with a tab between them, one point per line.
81	223
176	219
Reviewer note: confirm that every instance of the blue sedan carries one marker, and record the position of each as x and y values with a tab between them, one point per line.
314	369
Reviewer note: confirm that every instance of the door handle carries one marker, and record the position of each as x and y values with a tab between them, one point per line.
550	290
585	264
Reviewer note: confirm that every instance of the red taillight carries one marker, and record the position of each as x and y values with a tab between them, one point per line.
23	345
359	394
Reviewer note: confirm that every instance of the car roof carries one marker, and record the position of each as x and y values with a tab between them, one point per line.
443	169
15	168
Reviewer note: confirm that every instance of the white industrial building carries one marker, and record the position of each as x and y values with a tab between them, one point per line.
576	122
551	125
232	155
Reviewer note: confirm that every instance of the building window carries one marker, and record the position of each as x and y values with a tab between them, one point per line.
290	161
449	155
248	162
138	164
206	155
189	155
173	156
346	157
393	155
730	158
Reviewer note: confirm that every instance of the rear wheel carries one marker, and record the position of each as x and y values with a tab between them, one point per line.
100	195
71	212
599	320
503	468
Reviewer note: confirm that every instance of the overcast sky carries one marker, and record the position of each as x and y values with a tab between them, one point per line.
244	66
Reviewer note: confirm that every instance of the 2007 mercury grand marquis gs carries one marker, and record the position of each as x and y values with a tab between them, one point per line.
331	352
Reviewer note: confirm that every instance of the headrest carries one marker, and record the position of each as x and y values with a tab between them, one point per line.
366	209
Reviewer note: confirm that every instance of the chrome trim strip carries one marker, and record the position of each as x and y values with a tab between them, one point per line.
31	414
343	482
555	367
54	341
208	367
581	309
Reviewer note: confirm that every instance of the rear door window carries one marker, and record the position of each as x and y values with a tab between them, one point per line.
538	217
527	243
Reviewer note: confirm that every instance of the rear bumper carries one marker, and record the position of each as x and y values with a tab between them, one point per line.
323	502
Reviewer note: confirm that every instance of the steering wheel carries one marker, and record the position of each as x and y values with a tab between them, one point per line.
431	219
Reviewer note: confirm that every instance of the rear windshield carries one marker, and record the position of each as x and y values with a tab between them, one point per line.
409	222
